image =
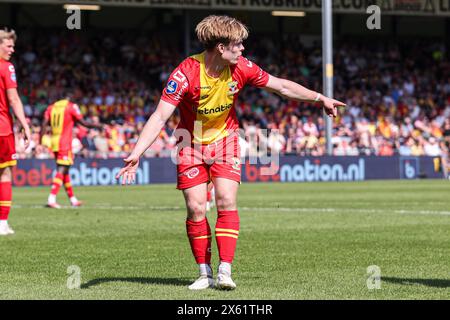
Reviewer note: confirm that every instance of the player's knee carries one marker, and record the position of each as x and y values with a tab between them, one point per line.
61	169
226	202
5	174
196	210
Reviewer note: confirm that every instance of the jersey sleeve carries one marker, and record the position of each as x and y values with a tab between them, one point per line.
252	73
177	86
75	112
8	75
47	113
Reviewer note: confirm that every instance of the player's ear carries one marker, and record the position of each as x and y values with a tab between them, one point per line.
220	47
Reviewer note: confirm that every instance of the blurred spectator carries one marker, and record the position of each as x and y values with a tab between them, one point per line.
101	144
431	147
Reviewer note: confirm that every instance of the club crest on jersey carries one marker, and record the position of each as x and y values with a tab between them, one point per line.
232	88
11	69
172	86
192	173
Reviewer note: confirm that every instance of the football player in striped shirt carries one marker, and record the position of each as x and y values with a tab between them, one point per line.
62	116
204	88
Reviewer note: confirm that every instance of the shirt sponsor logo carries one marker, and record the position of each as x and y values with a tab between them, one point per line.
203	88
219	109
172	86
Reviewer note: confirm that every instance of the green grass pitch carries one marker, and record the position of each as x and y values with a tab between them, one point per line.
297	241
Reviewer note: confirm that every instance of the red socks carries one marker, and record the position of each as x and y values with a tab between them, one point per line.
68	185
227	231
199	234
5	199
57	182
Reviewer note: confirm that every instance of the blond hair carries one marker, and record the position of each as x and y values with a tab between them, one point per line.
220	29
7	34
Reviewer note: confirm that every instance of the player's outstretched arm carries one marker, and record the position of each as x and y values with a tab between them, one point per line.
17	106
291	90
148	135
89	125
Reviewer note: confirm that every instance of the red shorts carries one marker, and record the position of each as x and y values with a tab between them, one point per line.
64	157
198	164
8	154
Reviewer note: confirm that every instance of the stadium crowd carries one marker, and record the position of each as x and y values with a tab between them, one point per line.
397	94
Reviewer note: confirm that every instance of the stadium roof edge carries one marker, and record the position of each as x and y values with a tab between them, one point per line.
389	7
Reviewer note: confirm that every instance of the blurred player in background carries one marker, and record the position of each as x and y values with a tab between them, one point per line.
8	98
62	116
204	88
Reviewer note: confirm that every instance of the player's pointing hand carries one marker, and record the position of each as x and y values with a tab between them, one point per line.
128	172
27	137
330	106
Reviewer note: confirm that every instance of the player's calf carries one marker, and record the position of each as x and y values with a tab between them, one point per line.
5	207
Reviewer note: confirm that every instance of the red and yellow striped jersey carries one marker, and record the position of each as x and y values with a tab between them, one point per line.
206	104
62	116
7	81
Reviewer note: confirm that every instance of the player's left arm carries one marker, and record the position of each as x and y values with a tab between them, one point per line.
294	91
17	106
78	118
90	125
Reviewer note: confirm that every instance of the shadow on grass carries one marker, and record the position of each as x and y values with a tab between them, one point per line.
164	281
436	283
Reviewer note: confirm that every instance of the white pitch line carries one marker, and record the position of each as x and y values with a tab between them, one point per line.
103	207
266	209
346	209
444	213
